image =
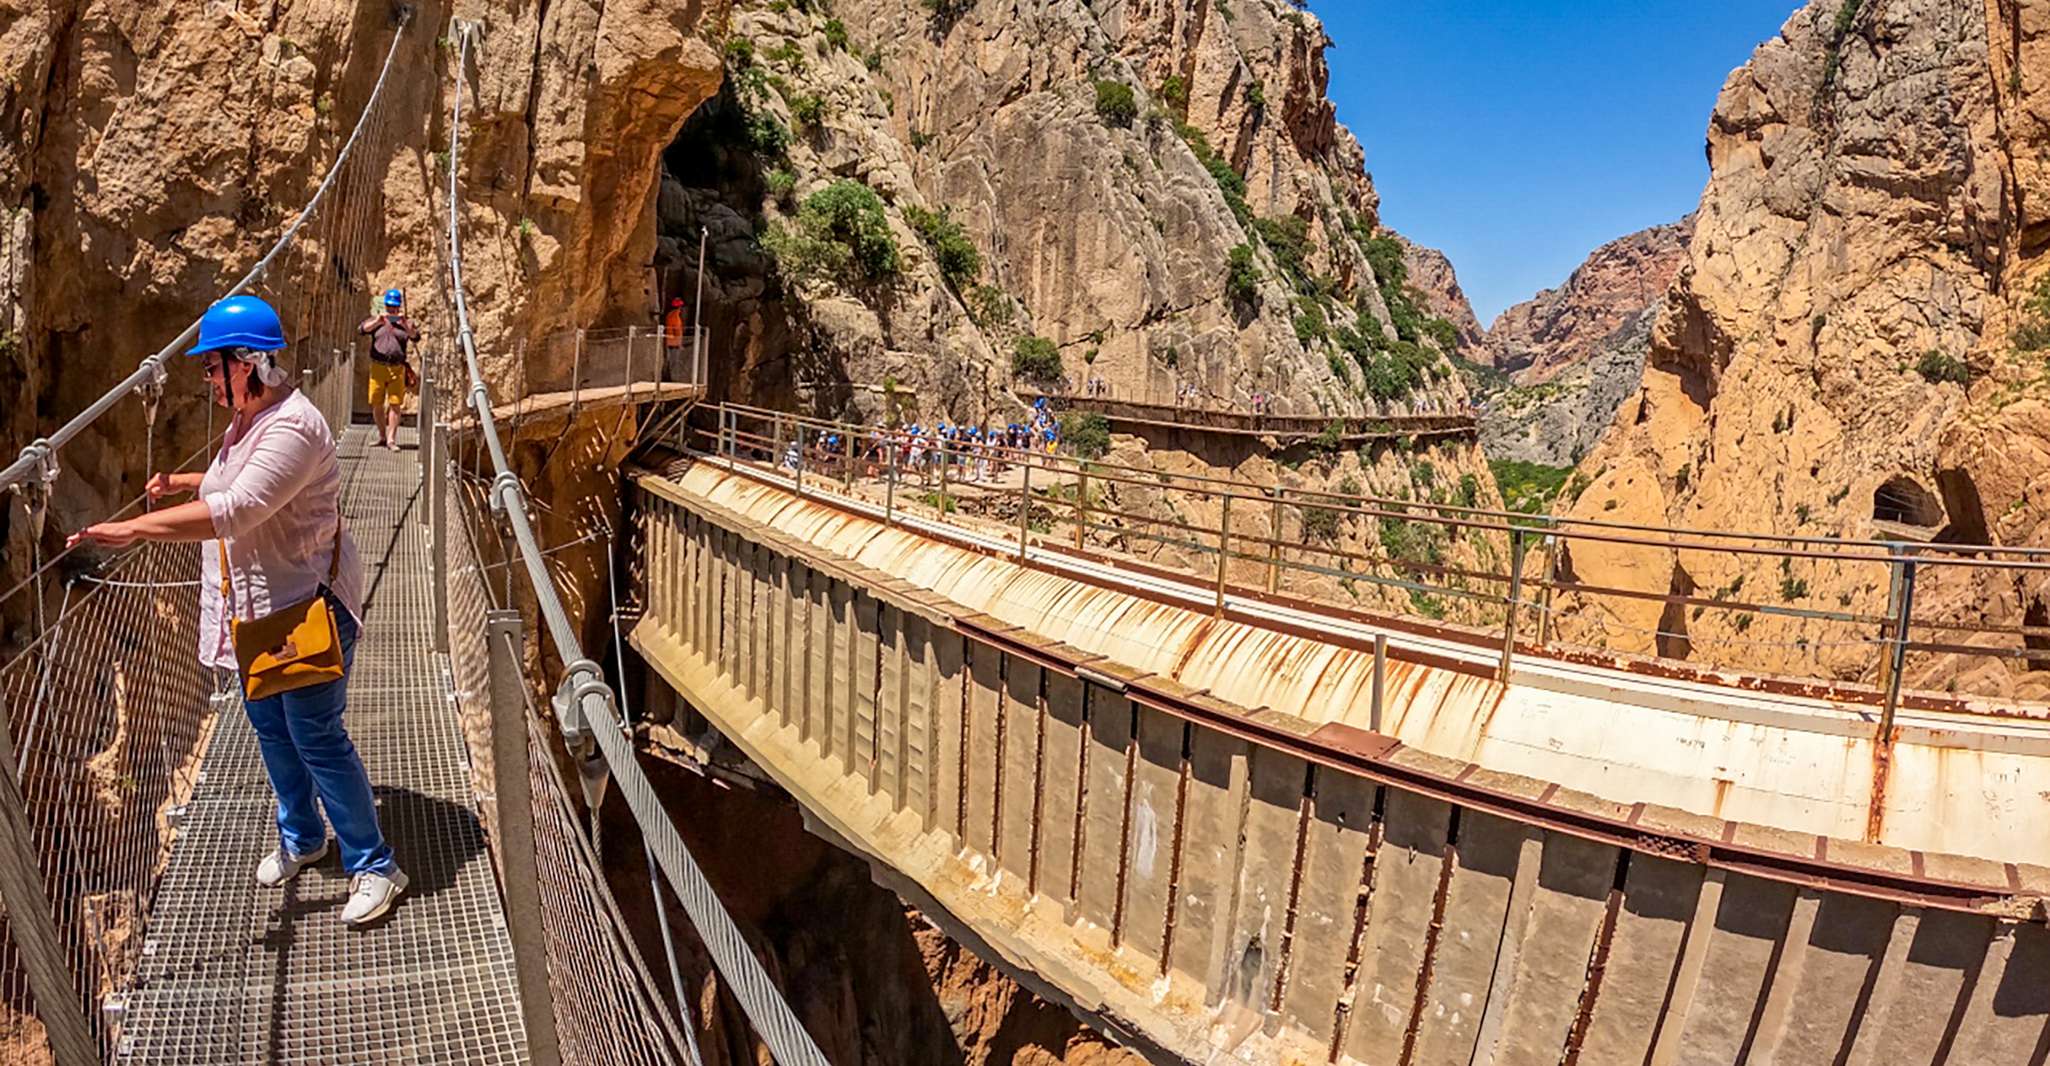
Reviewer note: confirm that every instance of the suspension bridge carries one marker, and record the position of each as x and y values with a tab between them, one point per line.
1176	751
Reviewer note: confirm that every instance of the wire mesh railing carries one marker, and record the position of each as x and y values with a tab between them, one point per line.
584	709
106	707
1500	581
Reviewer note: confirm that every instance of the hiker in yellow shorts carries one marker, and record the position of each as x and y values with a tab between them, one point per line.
391	333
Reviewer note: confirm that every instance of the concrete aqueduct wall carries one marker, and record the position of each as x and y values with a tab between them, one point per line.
1221	884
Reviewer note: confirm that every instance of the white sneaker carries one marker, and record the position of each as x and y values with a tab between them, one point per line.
279	867
372	895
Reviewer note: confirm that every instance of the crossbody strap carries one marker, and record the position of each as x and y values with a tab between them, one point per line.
334	565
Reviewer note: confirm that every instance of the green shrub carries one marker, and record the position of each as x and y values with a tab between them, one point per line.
990	306
781	183
1288	240
1229	181
1115	104
1441	333
1256	96
1320	523
947	9
2033	335
1328	440
1528	487
807	109
873	60
787	54
766	136
836	34
1936	367
840	227
1088	435
1036	359
1469	494
803	255
1242	275
1413	542
1310	326
740	53
1340	369
1175	92
958	259
1399	370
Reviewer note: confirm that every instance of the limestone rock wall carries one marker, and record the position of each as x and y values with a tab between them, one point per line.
1108	239
1876	208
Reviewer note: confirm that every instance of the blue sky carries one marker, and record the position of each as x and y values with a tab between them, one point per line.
1516	137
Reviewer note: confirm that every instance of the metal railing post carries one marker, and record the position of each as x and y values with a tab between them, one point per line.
1903	614
1544	636
1223	549
518	864
890	490
1515	600
424	430
847	458
437	529
33	925
1081	504
1380	681
801	453
1274	544
1024	509
945	449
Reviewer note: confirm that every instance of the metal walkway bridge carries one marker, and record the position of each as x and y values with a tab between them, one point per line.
232	972
133	805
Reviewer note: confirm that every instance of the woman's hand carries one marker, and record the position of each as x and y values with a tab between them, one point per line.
107	534
162	485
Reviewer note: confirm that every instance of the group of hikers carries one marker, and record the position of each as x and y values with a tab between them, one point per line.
979	453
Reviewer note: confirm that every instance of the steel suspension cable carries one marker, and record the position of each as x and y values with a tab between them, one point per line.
37	456
589	710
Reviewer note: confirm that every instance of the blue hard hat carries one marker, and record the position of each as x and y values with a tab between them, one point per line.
239	322
393	297
1041	402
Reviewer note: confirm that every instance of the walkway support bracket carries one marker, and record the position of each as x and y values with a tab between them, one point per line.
1515	601
519	871
1024	510
1897	657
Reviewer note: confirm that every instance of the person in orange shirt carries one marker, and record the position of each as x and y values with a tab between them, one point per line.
672	329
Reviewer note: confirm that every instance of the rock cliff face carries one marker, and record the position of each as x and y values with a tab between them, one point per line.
1051	170
1855	344
1558	328
1573	353
1433	276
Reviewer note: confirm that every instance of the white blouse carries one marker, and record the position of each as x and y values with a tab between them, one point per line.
274	491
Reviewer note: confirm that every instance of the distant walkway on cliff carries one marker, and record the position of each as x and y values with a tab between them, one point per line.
1143	416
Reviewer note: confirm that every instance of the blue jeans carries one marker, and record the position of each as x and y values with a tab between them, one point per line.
312	763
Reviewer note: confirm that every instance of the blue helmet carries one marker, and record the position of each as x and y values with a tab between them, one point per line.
240	322
394	298
1040	402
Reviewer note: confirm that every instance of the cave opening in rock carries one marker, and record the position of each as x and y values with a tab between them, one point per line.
1966	511
714	185
1903	500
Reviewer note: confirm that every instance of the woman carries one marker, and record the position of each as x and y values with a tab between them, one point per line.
272	500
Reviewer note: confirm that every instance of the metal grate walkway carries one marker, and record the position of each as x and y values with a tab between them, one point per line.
235	973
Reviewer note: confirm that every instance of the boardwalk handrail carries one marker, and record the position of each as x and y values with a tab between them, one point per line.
589	712
37	458
1500	596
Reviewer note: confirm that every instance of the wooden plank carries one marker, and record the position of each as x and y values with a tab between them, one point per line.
1018	813
818	662
1406	872
1660	900
1264	873
890	699
1469	944
1334	854
1105	833
864	648
979	772
1061	777
1154	825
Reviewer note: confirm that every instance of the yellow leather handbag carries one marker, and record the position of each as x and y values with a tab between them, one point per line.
293	648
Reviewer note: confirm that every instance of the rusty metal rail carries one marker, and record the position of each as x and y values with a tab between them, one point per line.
1350	429
1269	543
